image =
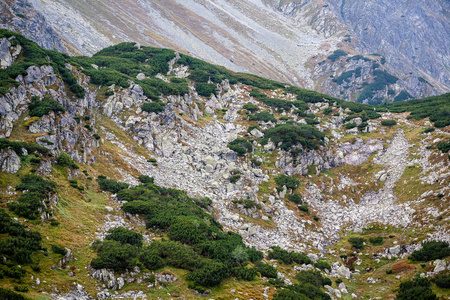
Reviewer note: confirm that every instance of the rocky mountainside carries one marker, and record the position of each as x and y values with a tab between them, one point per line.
289	41
19	16
357	189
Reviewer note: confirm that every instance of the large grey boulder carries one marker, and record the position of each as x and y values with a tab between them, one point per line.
9	161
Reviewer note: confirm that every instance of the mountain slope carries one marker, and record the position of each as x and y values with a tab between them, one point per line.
349	171
287	41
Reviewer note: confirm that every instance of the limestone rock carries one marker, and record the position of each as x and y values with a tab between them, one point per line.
9	161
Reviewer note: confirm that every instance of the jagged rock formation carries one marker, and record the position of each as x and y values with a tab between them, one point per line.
19	16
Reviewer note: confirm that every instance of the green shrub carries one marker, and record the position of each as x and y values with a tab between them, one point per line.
114	255
211	273
235	178
263	116
203	202
402	96
39	108
336	54
288	258
125	236
327	111
256	162
431	250
388	272
206	89
17	246
243	273
291	135
146	179
22	289
381	80
377	240
241	146
312	277
111	185
316	218
175	254
155	107
303	208
267	270
443	146
96	136
296	198
59	249
250	107
18	146
357	242
10	295
53	222
419	288
35	160
442	280
322	265
350	125
288	181
65	160
30	204
388	123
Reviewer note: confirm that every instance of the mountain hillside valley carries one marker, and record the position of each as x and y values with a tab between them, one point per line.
131	171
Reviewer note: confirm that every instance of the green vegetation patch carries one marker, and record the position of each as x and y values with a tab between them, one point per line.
18	146
30	203
39	108
437	108
336	54
17	246
419	288
197	242
287	257
241	146
431	250
290	135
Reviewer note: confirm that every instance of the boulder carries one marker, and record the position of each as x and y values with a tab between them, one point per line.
344	272
9	161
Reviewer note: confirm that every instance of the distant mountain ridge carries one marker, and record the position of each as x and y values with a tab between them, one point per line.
284	40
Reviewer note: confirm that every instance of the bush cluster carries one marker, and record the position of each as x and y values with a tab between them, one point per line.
287	257
292	135
263	116
241	146
111	185
389	123
430	251
437	108
419	288
310	286
18	146
39	108
29	204
17	246
357	242
196	243
288	181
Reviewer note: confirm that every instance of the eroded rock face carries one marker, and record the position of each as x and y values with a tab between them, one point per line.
20	16
9	161
8	52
